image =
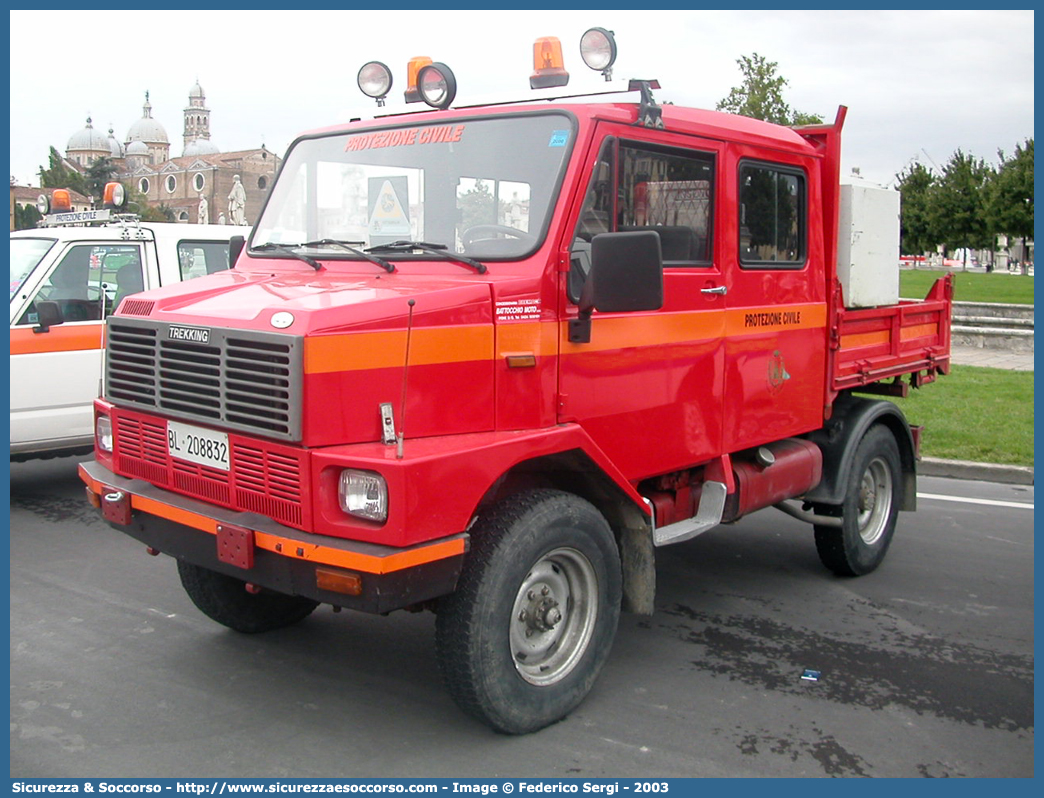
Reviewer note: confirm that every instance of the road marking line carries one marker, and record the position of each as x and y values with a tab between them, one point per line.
988	502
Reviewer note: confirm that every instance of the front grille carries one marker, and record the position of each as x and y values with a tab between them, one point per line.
265	477
234	379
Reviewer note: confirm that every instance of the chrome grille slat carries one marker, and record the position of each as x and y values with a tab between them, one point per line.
247	381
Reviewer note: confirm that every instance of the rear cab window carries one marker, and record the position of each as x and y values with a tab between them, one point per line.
773	216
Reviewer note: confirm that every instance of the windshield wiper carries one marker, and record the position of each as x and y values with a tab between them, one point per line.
434	249
287	248
388	267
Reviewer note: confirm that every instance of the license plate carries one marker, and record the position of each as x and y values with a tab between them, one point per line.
198	445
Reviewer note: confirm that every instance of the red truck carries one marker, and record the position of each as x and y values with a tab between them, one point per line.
485	360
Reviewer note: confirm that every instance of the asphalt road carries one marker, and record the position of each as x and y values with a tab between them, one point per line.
926	666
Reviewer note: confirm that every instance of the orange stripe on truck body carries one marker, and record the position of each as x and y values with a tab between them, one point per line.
281	545
60	338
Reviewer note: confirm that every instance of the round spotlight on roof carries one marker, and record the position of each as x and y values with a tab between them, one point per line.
598	50
375	80
437	85
115	196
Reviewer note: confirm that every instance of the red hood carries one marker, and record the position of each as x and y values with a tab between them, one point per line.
323	302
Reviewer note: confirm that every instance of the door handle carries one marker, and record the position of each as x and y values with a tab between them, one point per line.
718	289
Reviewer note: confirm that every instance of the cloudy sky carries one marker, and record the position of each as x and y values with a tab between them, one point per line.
918	84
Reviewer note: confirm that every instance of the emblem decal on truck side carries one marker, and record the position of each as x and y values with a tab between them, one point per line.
777	373
196	335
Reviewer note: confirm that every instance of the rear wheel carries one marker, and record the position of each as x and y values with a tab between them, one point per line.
868	514
225	599
523	638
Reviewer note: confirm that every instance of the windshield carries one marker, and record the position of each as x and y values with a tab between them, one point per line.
25	254
478	187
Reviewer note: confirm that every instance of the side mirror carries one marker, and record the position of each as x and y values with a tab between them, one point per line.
235	247
626	275
48	314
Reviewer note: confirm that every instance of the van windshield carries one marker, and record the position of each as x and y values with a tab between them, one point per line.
480	187
26	253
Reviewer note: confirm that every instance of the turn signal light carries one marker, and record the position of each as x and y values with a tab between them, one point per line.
413	69
338	581
548	65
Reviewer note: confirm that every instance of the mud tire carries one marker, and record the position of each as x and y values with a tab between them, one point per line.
543	563
872	499
226	600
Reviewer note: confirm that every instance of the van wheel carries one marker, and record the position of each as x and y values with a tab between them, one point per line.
225	599
530	625
868	514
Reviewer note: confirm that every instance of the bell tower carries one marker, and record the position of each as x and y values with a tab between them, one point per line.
197	117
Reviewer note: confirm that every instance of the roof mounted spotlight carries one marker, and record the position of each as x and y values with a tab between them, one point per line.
598	51
437	85
375	80
115	196
548	66
417	63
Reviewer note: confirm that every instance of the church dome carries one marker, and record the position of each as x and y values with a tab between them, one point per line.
201	147
88	139
137	148
196	91
147	129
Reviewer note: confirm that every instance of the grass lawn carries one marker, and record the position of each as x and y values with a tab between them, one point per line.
979	414
970	286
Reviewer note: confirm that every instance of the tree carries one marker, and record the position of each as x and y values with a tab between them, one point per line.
99	173
761	94
1009	200
477	206
958	210
916	184
137	203
26	217
58	175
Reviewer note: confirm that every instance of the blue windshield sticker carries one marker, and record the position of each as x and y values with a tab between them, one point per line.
559	138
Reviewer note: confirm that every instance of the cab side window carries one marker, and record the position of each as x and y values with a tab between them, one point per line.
668	191
665	190
596	216
88	282
196	258
69	284
773	213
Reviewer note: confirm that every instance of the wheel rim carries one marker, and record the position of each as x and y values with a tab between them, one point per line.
553	616
875	500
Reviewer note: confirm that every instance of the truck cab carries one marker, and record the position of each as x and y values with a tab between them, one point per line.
78	273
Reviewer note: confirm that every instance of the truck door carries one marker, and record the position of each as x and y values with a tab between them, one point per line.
648	386
776	330
55	372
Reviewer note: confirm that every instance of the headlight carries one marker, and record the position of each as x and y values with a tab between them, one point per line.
363	494
103	433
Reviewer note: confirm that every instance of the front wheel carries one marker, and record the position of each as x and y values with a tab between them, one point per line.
868	514
523	638
225	599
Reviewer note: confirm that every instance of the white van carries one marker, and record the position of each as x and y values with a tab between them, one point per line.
56	365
